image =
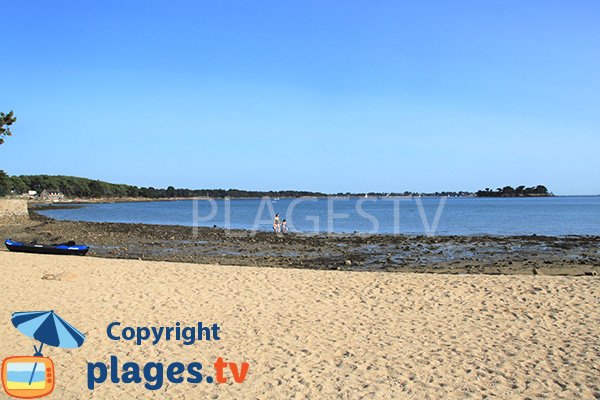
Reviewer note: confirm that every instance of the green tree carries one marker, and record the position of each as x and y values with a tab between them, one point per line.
6	120
540	189
97	189
508	191
5	184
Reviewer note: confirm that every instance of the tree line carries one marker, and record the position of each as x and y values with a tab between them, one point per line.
519	191
72	187
76	187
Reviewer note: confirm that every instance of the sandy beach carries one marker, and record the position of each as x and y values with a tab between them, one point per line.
318	334
300	200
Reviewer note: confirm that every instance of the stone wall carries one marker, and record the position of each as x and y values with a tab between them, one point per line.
13	211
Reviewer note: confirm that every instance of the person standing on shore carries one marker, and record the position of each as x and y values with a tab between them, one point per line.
284	227
276	224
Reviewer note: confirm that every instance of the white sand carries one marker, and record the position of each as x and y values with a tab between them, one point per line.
318	334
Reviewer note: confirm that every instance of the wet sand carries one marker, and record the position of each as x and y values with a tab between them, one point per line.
319	334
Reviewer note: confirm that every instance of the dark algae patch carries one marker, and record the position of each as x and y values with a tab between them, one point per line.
571	255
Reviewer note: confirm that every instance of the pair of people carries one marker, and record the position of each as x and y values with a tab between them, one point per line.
279	225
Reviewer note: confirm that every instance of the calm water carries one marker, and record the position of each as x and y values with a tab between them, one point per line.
458	216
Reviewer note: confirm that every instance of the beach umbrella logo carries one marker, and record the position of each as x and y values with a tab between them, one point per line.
29	377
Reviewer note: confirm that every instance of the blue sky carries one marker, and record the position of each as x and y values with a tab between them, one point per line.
327	96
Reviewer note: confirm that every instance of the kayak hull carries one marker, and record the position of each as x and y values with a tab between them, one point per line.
61	249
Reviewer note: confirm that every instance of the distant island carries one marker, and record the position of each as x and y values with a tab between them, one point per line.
57	187
519	191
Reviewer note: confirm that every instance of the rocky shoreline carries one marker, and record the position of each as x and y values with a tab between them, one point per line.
571	255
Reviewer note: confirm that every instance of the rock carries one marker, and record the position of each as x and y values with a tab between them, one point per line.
535	271
50	277
591	273
62	276
348	262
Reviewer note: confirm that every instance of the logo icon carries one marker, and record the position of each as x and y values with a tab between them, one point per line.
29	377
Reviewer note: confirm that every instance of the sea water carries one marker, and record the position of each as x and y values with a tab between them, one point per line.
555	216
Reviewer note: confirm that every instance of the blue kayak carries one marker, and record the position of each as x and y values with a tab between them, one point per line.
69	248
